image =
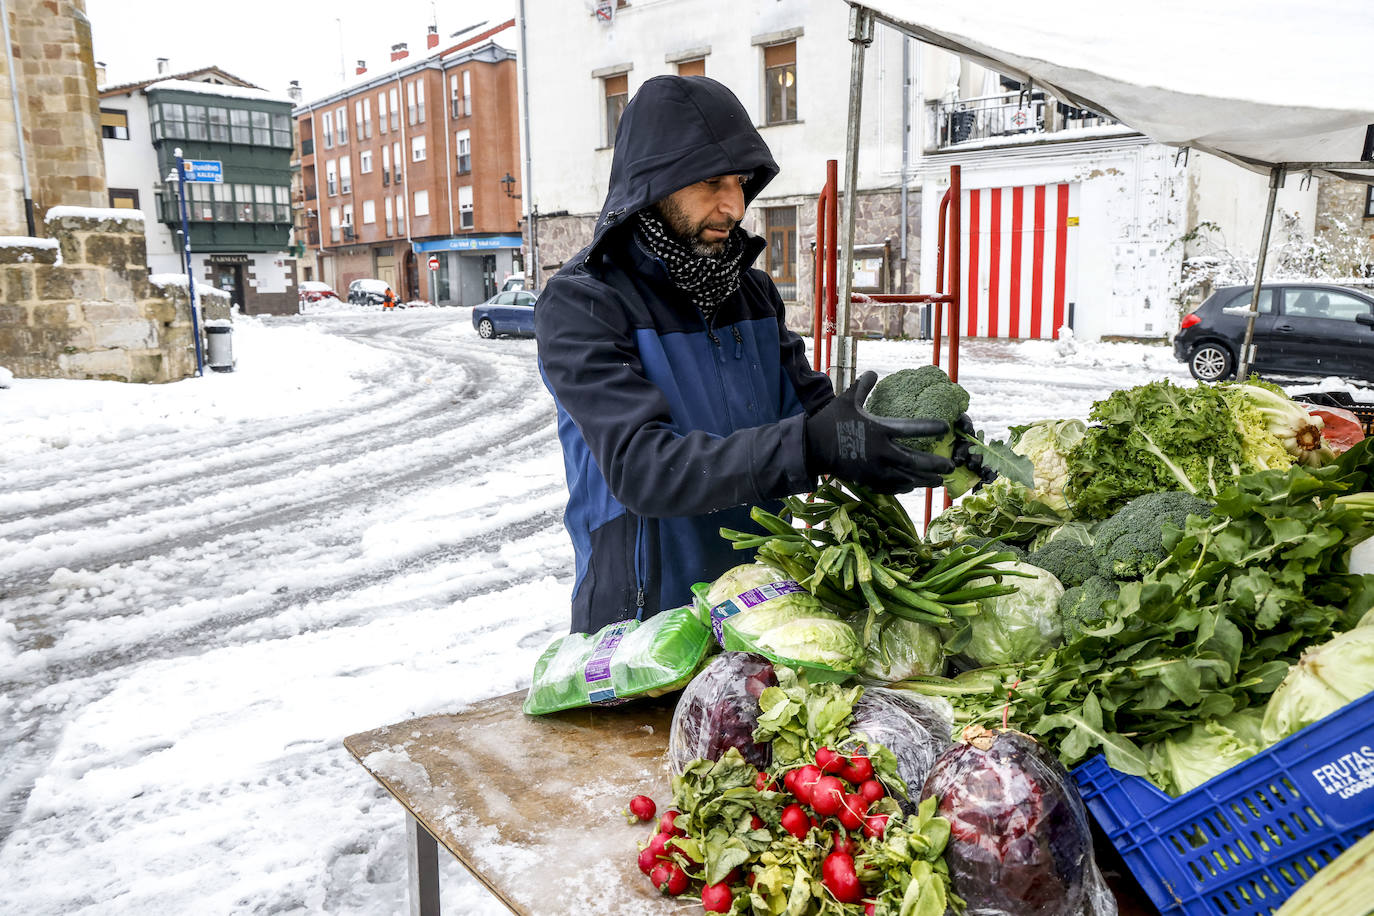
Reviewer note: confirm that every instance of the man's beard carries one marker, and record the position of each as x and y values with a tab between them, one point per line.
689	233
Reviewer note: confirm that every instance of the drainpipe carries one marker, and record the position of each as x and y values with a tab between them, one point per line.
18	121
320	201
527	192
405	170
906	145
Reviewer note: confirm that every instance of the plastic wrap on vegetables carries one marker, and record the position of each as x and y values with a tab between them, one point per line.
1019	838
916	730
719	709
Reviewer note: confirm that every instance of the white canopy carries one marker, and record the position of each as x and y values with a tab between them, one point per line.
1258	82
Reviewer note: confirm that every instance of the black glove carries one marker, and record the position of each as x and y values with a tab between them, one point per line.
963	455
847	441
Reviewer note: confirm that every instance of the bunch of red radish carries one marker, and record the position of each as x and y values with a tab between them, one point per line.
836	786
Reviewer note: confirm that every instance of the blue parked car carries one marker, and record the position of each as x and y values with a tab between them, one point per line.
510	313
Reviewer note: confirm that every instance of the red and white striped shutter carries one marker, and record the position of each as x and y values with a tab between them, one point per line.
1018	251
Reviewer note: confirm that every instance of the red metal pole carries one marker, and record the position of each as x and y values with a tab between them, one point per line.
818	282
955	277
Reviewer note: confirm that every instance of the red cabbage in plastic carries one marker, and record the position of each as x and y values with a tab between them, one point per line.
1020	843
719	709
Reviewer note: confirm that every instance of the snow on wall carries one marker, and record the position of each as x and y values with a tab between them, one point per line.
123	214
24	241
202	290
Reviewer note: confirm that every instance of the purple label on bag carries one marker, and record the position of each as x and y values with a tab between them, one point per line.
750	599
598	667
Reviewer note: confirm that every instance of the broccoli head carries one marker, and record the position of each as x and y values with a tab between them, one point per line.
925	394
1070	561
1131	542
1084	607
997	546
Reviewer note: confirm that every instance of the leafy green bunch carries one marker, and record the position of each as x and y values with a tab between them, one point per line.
1209	631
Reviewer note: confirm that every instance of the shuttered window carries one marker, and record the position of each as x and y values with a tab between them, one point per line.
617	95
780	80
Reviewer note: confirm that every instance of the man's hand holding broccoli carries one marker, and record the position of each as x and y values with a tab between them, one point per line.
928	393
847	441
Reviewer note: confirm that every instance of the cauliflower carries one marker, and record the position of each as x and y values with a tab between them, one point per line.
1046	444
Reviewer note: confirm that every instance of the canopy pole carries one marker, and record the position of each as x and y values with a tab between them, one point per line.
861	36
1247	349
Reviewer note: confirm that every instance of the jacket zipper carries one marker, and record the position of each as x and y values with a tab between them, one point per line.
640	574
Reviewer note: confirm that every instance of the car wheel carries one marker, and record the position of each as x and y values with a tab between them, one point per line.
486	329
1211	362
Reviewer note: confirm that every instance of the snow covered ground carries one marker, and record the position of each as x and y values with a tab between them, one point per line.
208	585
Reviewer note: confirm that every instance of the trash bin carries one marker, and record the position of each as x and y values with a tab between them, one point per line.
219	347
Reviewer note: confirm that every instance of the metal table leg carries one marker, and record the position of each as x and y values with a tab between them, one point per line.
422	859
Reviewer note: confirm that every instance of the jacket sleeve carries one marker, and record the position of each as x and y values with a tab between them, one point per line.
813	388
590	360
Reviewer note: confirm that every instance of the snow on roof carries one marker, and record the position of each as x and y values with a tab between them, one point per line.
1258	81
24	241
233	92
378	285
121	213
131	85
314	286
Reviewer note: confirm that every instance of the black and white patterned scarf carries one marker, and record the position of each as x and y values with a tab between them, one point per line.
707	280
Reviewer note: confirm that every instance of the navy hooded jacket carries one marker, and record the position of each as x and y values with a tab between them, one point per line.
671	429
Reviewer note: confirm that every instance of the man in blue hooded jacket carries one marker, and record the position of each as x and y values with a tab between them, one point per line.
683	399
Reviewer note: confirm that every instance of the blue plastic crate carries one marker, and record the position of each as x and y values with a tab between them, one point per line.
1243	842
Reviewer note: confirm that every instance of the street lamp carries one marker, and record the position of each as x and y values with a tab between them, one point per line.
507	183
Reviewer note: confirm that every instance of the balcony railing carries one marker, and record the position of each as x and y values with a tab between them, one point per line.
1010	114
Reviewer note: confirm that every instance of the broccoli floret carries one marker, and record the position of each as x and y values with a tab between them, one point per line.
1068	560
926	394
1131	542
998	546
1083	607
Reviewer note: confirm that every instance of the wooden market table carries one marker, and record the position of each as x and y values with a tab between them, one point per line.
532	806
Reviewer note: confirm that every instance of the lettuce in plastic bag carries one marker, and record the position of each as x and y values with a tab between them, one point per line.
899	649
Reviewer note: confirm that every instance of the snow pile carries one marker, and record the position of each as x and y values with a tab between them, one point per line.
281	371
6	377
171	279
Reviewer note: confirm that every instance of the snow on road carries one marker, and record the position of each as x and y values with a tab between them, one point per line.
206	586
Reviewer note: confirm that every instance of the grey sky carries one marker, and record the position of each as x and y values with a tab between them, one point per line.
271	42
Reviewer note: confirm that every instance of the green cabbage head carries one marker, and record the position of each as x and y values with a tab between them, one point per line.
899	649
1326	678
1018	627
1047	445
1187	759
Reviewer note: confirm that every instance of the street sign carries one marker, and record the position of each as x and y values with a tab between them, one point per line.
206	170
433	263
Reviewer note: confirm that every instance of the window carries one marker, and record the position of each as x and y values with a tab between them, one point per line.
1369	202
283	206
395	111
262	128
333	224
281	130
396	161
199	207
219	125
243	202
420	96
365	162
328	131
348	222
331	177
693	67
173	121
780	230
386	164
1242	301
381	112
460	89
780	78
422	203
465	219
369	212
114	125
389	214
400	213
224	203
341	123
264	210
197	123
242	133
1323	303
617	94
417	148
367	119
346	175
123	198
358	117
463	143
410	102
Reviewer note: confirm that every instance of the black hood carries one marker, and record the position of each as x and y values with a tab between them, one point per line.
676	131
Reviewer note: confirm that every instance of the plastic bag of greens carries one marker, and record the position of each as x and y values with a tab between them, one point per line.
915	729
899	649
719	709
1020	844
623	660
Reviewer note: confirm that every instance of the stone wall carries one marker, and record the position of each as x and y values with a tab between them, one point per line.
1341	223
93	313
876	222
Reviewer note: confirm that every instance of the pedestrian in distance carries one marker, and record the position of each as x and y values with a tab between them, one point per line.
388	299
683	399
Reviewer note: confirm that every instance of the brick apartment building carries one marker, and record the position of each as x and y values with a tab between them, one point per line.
408	165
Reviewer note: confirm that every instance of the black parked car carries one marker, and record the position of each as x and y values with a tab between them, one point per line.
1301	329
